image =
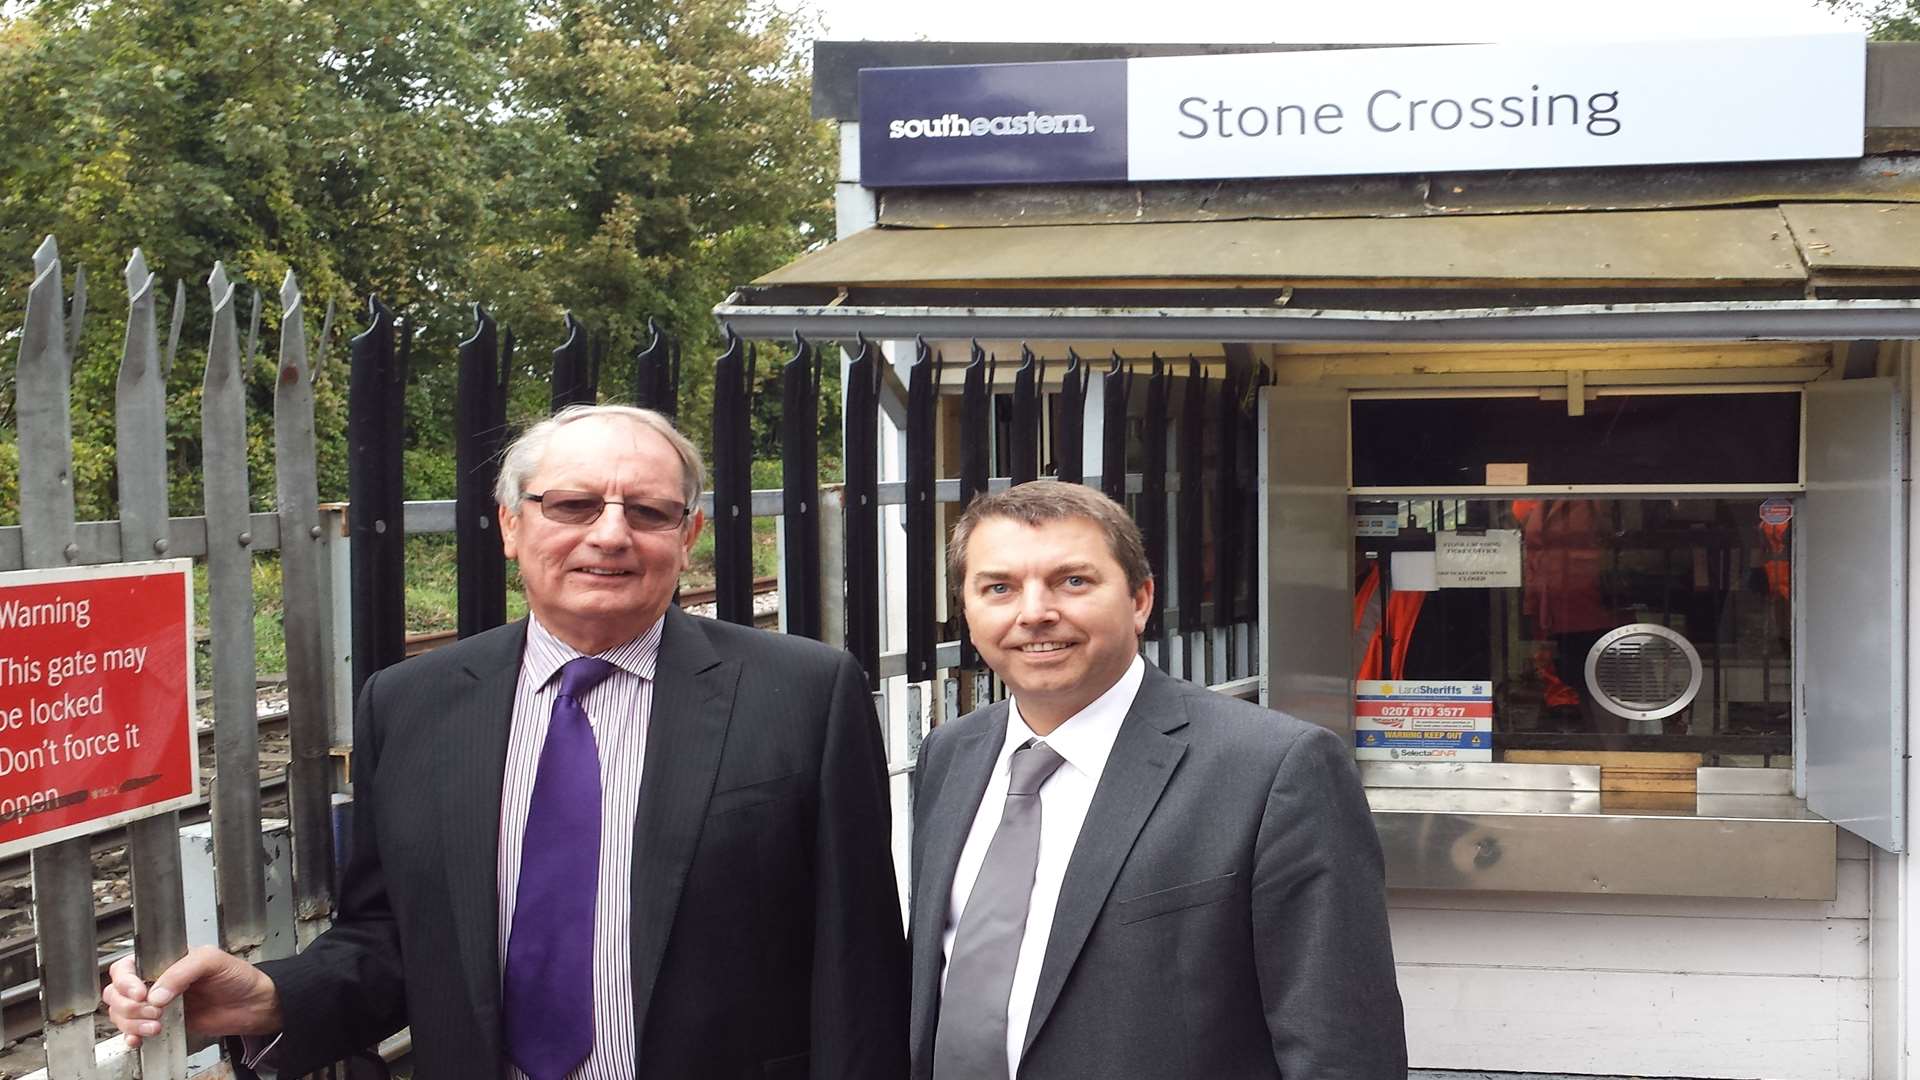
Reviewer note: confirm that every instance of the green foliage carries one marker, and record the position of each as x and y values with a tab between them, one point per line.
1887	20
9	479
614	158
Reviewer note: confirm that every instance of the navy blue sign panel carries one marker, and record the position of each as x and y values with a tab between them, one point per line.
993	124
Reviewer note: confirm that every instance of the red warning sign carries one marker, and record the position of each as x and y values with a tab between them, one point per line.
96	699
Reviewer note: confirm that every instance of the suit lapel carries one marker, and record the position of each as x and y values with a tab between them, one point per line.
693	697
949	818
478	714
1143	760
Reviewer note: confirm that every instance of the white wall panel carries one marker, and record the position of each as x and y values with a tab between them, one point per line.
1636	1023
1833	948
1640	985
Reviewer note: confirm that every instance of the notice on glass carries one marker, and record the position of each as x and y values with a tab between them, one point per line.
1417	720
96	699
1484	559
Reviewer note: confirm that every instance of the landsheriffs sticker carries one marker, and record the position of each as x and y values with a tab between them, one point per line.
1402	720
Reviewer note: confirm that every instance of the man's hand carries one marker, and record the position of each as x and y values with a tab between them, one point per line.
224	996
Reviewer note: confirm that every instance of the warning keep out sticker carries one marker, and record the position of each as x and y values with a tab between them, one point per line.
96	699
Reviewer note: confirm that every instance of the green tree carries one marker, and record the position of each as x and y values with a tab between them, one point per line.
615	158
661	154
335	138
1886	20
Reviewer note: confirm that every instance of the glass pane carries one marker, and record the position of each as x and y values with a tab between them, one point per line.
1585	624
1662	439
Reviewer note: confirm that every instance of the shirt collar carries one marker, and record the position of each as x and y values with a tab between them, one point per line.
547	654
1086	738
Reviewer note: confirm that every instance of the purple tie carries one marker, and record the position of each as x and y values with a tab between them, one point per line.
548	993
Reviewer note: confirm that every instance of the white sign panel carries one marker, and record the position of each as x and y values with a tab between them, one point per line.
1477	560
1466	107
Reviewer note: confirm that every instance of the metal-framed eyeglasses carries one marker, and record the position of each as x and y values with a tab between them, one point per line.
585	508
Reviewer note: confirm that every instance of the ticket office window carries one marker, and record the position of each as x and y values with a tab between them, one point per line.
1557	624
1533	585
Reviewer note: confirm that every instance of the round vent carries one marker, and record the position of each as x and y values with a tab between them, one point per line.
1643	671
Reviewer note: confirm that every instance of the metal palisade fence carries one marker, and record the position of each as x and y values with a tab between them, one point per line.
233	903
860	562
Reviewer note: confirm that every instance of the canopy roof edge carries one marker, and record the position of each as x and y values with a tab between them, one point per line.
1787	320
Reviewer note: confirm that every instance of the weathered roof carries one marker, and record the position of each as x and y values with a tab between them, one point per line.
1856	236
1736	246
1875	178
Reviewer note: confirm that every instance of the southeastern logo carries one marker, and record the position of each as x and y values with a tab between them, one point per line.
955	125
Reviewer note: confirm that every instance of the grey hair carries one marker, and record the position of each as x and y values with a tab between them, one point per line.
523	456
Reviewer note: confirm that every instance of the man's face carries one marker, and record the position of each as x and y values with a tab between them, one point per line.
1049	609
599	584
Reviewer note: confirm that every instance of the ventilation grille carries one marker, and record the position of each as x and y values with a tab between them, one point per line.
1643	671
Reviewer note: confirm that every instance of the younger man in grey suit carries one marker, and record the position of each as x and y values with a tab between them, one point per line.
1119	874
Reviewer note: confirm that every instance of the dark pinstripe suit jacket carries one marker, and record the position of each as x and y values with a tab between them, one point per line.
766	926
1223	915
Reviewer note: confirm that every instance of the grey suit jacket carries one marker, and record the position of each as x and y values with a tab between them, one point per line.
766	925
1223	914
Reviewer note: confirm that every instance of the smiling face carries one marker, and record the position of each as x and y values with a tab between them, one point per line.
1049	609
603	583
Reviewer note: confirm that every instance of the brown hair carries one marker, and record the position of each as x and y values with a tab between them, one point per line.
1040	501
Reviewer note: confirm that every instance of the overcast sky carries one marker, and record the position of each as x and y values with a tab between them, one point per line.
1347	21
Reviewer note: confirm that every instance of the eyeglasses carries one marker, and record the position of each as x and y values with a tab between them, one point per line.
585	508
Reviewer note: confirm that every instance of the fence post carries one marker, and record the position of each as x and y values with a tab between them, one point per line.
732	488
1023	437
1113	430
62	872
480	421
1252	563
1228	513
860	529
303	616
800	476
374	512
976	435
1070	422
572	368
922	630
153	843
1152	513
1189	552
236	723
655	373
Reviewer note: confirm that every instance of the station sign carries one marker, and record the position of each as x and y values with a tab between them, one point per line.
1422	720
1340	112
96	699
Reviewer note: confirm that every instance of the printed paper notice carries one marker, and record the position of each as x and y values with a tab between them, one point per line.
1412	720
1488	559
96	699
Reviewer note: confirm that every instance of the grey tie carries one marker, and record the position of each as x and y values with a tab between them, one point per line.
971	1040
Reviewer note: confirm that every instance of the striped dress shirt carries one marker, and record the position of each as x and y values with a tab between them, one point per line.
620	709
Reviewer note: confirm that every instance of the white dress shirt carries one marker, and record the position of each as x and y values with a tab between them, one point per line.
1084	741
621	711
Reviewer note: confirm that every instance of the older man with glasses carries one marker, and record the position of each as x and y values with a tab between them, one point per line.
608	841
